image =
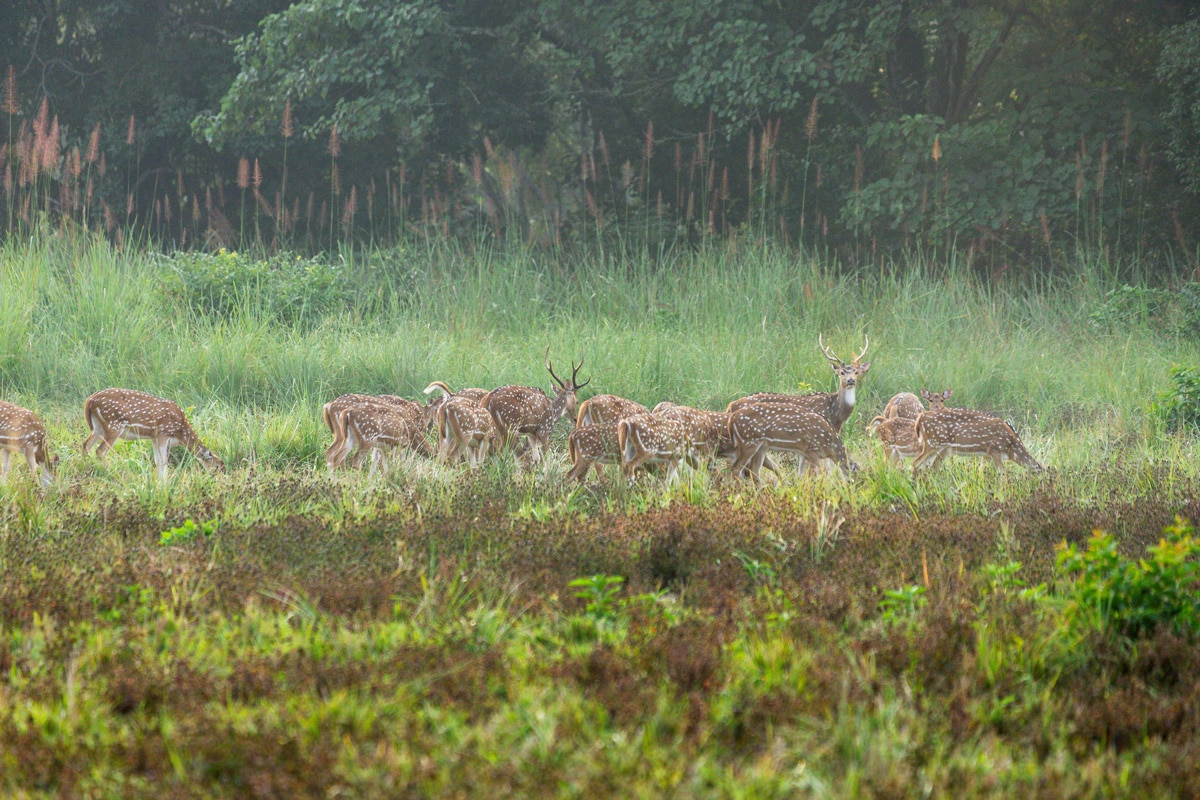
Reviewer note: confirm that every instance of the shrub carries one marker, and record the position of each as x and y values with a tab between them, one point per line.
186	532
1172	312
286	288
1179	408
1134	598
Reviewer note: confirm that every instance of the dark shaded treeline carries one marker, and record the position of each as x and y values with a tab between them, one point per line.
1009	128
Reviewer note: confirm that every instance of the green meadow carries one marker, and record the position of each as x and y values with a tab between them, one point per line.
281	631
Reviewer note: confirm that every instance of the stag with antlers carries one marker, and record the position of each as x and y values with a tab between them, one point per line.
835	407
527	411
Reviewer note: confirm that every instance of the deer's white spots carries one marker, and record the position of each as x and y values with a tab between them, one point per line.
114	414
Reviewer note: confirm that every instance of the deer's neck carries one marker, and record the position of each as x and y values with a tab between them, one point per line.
558	407
841	406
188	438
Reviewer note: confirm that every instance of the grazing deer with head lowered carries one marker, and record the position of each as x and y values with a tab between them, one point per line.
474	395
22	433
898	432
113	414
835	407
904	405
708	431
527	411
417	417
376	428
463	425
607	408
758	428
961	431
592	444
652	439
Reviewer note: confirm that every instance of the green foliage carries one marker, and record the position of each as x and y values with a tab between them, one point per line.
1174	311
601	593
1134	598
899	607
988	174
1179	72
1179	407
419	75
759	572
188	531
285	288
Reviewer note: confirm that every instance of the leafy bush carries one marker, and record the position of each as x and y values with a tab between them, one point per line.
186	532
286	288
1179	408
600	592
1174	312
1136	597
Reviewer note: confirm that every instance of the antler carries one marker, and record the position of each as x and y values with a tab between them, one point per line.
834	360
575	371
557	379
866	344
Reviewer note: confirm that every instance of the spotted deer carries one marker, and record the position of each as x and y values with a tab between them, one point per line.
375	428
113	414
904	405
418	418
835	407
898	432
759	428
22	433
474	395
708	431
651	438
592	445
463	425
961	431
527	411
607	408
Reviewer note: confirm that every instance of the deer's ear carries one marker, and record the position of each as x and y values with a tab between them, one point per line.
946	394
864	367
925	393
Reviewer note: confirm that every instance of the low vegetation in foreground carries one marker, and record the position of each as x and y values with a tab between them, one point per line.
278	631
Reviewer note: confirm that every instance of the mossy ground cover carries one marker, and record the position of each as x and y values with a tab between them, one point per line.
278	631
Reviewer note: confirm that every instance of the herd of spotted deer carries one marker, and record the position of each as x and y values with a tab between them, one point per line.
609	429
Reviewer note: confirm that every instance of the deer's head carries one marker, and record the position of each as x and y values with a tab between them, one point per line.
936	400
567	388
209	459
848	374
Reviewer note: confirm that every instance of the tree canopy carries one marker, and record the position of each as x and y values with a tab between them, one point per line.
893	121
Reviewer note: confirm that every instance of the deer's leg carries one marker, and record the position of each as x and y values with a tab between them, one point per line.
628	468
91	441
160	449
452	451
5	464
743	457
359	453
579	470
108	437
43	469
335	454
926	453
39	471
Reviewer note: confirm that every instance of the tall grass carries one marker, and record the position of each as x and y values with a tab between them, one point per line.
696	327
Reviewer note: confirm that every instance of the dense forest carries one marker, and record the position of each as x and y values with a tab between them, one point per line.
1010	129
